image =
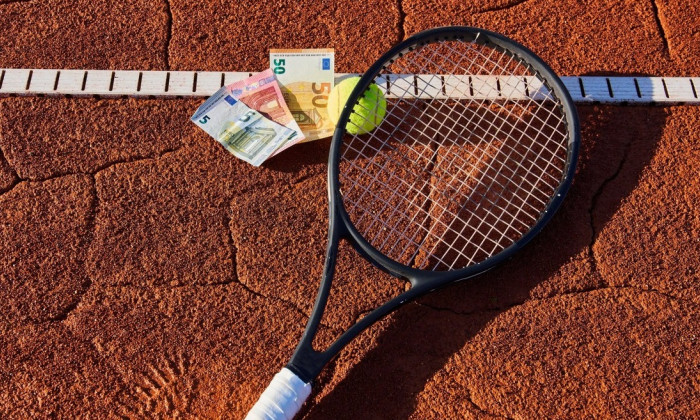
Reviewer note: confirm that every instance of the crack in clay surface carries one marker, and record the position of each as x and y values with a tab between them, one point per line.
45	233
47	137
92	217
401	21
594	201
169	32
506	6
281	300
8	175
660	24
240	279
10	186
3	2
101	168
553	32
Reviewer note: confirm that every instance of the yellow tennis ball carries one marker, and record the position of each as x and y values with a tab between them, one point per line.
367	113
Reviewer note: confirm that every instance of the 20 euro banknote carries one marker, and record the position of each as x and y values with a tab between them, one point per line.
262	93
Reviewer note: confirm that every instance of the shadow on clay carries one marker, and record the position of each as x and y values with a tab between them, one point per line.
304	154
617	143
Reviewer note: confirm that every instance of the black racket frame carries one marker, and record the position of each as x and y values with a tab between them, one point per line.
307	362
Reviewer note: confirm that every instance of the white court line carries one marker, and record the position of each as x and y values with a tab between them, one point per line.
134	83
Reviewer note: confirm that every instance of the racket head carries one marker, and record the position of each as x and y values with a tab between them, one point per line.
434	251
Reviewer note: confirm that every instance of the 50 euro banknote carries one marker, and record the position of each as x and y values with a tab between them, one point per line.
306	77
243	131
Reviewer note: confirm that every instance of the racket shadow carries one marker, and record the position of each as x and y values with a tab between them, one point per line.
421	338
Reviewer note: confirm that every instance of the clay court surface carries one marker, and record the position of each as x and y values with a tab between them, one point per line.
147	273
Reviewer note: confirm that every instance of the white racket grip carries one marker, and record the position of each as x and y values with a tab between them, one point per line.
282	399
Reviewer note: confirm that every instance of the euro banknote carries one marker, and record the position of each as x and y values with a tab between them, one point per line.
262	93
241	130
306	77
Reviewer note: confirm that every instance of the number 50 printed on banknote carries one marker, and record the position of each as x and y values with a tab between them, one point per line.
306	77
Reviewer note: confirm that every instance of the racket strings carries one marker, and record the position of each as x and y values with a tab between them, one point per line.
380	247
464	162
428	198
460	133
375	219
397	128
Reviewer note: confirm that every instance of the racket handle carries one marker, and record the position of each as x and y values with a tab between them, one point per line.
282	399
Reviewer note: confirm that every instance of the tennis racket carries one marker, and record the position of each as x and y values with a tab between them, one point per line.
469	155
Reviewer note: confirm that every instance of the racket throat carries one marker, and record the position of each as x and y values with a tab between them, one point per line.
306	362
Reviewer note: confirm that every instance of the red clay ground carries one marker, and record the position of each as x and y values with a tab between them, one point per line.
147	273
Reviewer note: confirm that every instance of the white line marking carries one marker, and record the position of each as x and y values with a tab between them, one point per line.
117	83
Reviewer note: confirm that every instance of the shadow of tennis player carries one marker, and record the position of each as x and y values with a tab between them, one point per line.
617	143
